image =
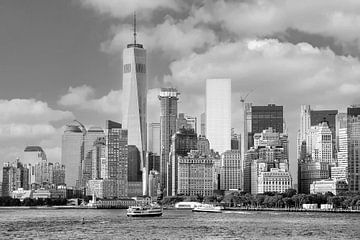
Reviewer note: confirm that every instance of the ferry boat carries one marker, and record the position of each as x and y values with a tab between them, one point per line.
208	208
144	211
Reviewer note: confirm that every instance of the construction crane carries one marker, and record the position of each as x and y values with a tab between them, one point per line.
242	99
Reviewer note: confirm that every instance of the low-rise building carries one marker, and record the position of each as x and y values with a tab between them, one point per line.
334	186
277	180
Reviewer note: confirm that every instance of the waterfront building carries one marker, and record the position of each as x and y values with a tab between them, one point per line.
275	180
32	155
182	143
154	138
135	100
335	186
89	138
168	113
99	162
72	152
230	171
15	176
154	183
102	188
195	175
310	171
218	114
117	157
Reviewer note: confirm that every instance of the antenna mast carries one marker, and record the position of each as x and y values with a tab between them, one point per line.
134	25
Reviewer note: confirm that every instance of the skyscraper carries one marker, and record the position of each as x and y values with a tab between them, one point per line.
33	155
168	113
154	138
89	138
218	114
134	99
353	131
117	157
72	152
263	117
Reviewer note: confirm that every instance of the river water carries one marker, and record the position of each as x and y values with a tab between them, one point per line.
113	224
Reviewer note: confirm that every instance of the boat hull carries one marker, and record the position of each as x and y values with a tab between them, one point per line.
209	211
148	214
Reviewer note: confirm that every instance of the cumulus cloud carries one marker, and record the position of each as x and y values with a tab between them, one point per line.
83	97
174	38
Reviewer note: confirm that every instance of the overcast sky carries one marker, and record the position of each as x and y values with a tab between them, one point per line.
61	60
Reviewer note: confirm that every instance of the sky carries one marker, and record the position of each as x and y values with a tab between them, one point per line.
61	60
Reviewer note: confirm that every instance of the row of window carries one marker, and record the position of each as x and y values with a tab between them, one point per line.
140	68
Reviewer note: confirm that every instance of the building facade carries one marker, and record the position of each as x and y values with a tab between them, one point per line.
218	114
230	172
168	114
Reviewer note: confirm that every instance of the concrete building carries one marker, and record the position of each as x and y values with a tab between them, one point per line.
195	175
168	114
322	144
275	180
72	152
154	183
135	100
99	162
203	145
353	131
187	122
117	157
230	172
32	155
154	138
183	142
335	186
15	176
134	174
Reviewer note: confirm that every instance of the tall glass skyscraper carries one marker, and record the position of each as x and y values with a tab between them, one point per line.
134	99
168	113
218	114
72	153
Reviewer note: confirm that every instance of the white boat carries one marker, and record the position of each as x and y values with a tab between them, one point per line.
208	208
144	211
187	205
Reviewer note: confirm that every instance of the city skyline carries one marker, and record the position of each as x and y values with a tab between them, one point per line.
58	71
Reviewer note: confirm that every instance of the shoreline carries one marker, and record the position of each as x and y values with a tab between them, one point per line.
335	210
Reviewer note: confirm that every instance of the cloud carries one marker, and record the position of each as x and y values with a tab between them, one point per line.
124	8
29	111
82	97
174	38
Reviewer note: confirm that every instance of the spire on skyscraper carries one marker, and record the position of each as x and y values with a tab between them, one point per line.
134	25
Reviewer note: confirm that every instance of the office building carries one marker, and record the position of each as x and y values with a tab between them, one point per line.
322	144
154	183
310	171
218	114
154	138
187	122
353	134
15	176
230	172
335	186
263	117
203	145
32	155
183	142
203	124
135	100
99	162
275	180
168	114
89	138
72	152
195	175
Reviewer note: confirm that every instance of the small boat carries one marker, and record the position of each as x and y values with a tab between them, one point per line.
144	211
208	208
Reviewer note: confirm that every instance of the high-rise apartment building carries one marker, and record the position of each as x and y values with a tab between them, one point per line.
168	114
15	176
72	153
218	114
117	157
135	99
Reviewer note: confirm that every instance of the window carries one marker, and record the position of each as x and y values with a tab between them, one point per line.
140	68
127	68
